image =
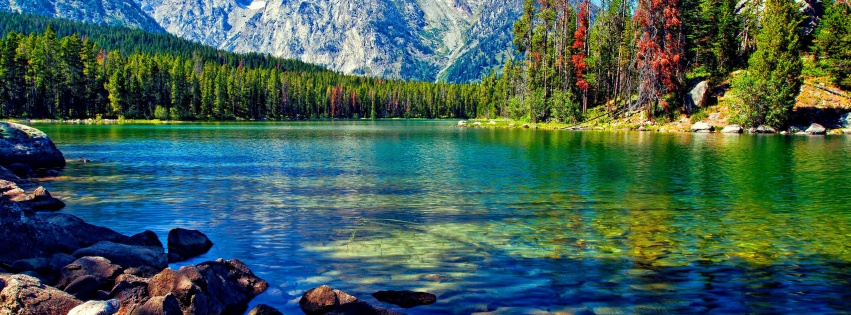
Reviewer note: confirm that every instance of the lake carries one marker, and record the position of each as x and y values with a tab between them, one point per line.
503	220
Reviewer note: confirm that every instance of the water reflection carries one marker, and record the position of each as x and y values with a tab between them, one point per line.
509	221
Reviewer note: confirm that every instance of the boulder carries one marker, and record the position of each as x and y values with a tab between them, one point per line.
845	120
60	260
174	258
96	308
40	265
360	308
764	129
11	190
20	169
27	145
160	305
7	175
323	299
188	243
84	288
41	200
405	299
146	238
525	126
701	127
127	255
83	233
816	129
698	96
25	235
214	287
132	291
263	309
462	123
23	294
732	129
102	270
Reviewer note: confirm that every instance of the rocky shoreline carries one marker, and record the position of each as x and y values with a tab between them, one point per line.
55	263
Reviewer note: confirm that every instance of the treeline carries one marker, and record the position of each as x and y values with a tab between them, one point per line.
45	76
645	56
129	40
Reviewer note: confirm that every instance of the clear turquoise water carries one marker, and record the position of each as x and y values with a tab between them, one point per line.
510	221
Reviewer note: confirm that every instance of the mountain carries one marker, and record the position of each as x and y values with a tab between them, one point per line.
411	39
451	40
105	12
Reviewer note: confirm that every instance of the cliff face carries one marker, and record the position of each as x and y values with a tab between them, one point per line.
454	40
411	39
111	12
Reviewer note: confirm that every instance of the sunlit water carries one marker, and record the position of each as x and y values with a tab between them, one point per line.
511	221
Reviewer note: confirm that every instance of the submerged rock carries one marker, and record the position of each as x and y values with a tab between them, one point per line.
22	294
360	308
405	299
27	145
188	243
96	308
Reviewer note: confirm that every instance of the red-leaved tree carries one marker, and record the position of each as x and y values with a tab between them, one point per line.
580	45
660	52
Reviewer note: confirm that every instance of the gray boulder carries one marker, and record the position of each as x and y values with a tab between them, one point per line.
764	129
27	145
188	243
732	129
816	129
25	235
127	255
701	127
698	96
96	308
84	233
23	294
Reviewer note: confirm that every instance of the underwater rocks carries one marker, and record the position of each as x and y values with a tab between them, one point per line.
405	299
324	300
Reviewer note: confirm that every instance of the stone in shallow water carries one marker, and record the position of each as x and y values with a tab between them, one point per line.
188	243
816	129
405	299
27	145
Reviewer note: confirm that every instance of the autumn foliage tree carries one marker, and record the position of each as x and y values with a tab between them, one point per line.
580	45
660	54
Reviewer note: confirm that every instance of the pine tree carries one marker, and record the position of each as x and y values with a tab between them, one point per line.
834	42
769	88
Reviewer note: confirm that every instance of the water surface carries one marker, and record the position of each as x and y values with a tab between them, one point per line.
511	221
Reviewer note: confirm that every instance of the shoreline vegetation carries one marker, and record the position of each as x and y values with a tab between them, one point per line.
577	64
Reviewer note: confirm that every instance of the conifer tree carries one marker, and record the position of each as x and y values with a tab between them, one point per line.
772	82
834	42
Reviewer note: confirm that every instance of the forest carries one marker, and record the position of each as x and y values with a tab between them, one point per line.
617	57
644	56
53	68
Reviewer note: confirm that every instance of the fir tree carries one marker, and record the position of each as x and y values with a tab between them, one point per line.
834	42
